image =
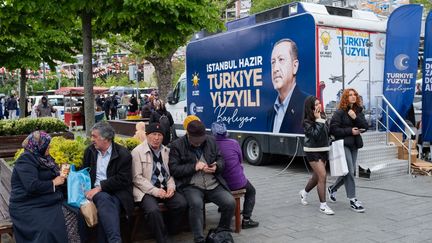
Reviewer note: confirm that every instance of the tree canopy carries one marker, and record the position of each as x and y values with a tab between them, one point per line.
156	29
261	5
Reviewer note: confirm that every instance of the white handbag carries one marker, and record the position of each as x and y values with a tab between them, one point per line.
337	159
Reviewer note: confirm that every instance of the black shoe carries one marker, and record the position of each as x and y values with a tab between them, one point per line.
331	195
356	206
249	223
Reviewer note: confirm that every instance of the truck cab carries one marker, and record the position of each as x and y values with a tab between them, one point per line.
177	105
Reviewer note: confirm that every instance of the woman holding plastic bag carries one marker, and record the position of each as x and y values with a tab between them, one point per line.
347	123
316	147
36	198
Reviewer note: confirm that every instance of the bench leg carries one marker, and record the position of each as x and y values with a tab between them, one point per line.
135	226
237	216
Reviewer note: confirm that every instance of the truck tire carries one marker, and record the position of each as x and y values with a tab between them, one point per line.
253	152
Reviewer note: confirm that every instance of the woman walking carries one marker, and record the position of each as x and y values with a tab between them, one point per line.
316	147
347	123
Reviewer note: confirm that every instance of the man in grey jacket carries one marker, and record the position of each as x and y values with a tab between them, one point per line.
196	165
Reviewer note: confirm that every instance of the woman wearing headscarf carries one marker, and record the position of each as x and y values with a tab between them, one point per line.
36	201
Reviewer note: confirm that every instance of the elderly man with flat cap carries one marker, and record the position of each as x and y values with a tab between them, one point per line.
153	184
197	165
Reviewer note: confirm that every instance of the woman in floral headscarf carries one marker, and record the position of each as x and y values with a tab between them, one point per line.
36	201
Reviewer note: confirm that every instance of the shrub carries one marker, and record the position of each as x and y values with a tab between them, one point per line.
27	125
72	151
129	143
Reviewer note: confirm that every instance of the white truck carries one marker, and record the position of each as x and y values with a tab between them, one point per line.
229	74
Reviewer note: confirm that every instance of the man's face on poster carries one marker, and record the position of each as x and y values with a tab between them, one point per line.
284	68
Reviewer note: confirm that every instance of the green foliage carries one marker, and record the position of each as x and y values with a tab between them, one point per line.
31	32
68	150
28	125
262	5
129	143
64	150
179	66
426	4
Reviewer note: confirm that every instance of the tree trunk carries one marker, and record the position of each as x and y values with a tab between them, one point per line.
22	93
89	111
164	74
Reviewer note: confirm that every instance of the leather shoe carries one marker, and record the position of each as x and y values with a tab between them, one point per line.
249	223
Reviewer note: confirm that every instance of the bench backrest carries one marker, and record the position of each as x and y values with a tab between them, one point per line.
5	189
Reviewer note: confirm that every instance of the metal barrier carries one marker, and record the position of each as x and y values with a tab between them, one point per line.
386	125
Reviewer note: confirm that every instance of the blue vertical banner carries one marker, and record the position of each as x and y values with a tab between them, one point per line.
401	53
427	82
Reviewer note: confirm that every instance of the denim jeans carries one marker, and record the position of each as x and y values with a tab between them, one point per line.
108	207
348	179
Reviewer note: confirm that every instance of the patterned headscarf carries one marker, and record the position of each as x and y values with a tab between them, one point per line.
37	143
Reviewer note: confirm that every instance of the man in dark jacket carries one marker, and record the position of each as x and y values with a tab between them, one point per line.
111	177
196	165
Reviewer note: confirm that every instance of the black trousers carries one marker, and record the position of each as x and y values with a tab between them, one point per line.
249	200
176	208
219	196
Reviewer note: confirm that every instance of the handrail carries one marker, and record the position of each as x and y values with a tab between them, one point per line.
403	131
397	114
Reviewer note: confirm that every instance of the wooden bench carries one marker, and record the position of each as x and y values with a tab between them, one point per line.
237	195
5	188
138	213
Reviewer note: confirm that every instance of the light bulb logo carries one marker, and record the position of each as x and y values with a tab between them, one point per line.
325	38
195	80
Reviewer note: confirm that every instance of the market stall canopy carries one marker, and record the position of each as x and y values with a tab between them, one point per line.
79	91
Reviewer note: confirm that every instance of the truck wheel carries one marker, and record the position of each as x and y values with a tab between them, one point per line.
252	151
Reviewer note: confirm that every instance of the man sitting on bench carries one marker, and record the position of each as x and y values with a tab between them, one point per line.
153	184
196	165
233	172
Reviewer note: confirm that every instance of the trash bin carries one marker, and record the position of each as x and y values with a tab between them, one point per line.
121	112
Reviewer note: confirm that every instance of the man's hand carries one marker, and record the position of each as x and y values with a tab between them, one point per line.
210	169
90	194
352	114
170	193
200	166
161	193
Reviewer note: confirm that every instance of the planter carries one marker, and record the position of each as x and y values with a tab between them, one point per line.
125	127
10	144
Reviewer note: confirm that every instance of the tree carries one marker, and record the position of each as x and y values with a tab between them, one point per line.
261	5
426	4
156	29
29	35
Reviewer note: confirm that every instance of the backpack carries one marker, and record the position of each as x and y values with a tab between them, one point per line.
219	236
164	121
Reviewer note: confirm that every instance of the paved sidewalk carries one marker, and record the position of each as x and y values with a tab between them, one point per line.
397	210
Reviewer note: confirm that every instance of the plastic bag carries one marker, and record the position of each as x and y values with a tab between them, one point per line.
78	183
337	159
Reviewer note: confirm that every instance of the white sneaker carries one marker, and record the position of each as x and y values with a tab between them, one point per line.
326	210
303	198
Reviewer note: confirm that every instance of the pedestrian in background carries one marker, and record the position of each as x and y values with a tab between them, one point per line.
12	106
347	123
316	147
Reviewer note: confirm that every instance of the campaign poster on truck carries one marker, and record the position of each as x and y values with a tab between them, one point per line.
350	67
238	77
